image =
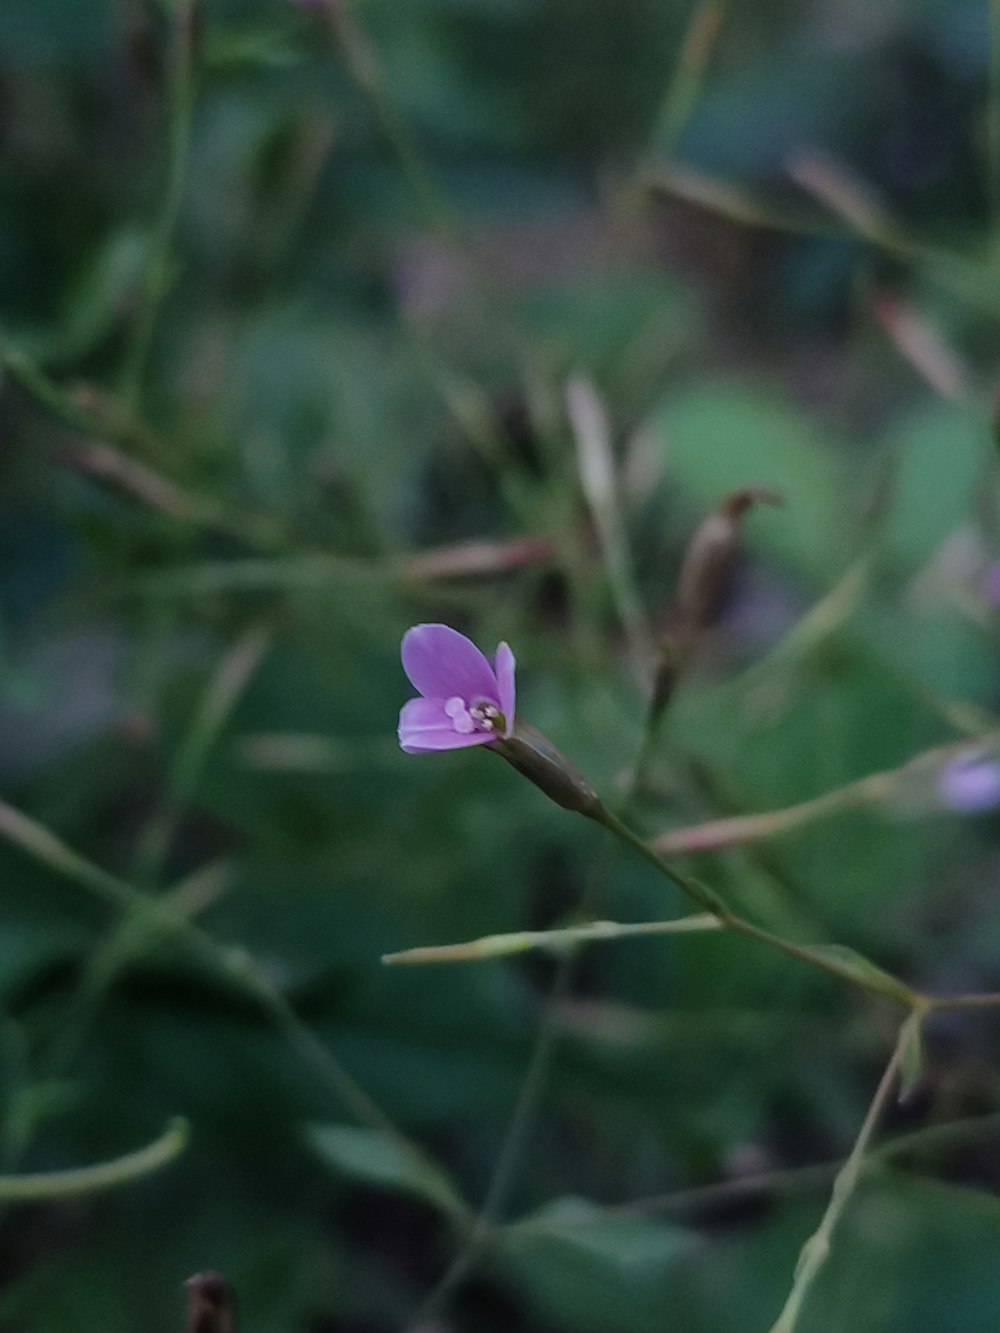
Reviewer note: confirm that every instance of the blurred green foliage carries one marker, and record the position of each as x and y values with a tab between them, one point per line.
399	228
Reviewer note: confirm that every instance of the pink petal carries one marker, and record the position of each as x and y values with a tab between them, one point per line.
442	663
504	664
424	726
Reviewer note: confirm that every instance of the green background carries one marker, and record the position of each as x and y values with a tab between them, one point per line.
284	306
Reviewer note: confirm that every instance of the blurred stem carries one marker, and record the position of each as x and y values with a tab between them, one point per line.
816	1250
225	689
101	418
764	1183
84	409
139	931
181	97
739	830
596	464
821	622
987	1000
963	277
151	489
508	1159
689	74
365	68
234	964
43	1186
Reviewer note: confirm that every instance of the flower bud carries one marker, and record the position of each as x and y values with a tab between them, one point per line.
709	557
534	755
700	587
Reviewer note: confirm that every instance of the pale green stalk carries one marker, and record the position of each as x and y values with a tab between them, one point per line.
496	946
365	68
46	1186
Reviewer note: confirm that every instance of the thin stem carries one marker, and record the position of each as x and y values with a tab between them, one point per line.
225	689
538	1068
158	274
364	66
988	1000
993	119
139	930
101	418
231	962
44	1185
496	946
875	788
141	484
689	74
816	1250
240	966
739	830
962	277
806	1177
838	962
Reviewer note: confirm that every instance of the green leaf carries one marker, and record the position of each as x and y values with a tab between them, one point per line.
369	1156
939	455
588	1268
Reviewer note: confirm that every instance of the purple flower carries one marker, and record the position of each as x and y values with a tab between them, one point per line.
465	701
970	784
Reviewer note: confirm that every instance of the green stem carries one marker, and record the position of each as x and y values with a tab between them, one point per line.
816	1250
688	75
877	982
365	69
496	946
158	274
224	692
233	963
139	931
45	1185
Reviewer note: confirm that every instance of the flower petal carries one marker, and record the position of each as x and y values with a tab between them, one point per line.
504	665
424	726
442	663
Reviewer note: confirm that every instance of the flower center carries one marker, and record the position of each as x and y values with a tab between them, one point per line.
482	716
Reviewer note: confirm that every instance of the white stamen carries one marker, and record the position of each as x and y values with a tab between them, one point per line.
461	718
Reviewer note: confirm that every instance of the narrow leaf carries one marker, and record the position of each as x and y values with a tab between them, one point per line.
369	1156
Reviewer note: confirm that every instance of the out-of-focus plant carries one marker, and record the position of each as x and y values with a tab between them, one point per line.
323	318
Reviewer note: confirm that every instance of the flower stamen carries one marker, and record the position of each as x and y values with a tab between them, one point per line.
487	717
